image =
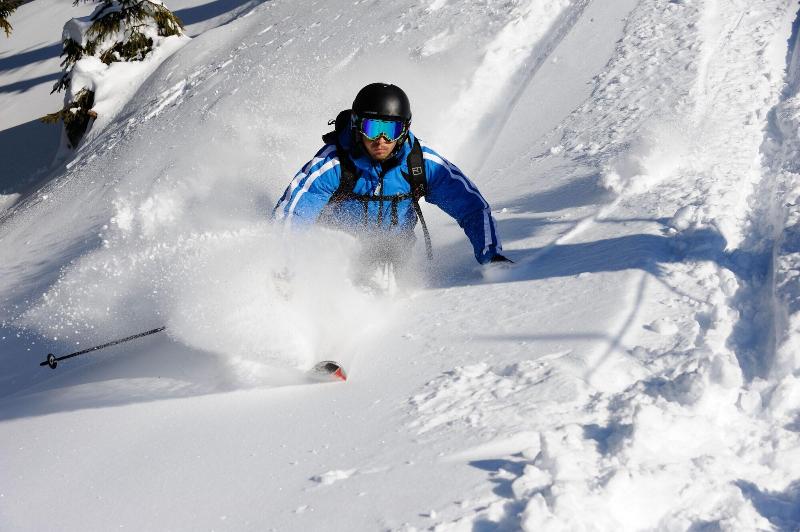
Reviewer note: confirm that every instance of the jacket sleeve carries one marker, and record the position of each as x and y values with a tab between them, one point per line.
450	190
310	190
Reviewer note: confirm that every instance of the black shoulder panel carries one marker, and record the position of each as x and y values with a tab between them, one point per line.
331	137
347	169
341	123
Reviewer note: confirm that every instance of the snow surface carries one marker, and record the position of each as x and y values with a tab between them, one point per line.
637	369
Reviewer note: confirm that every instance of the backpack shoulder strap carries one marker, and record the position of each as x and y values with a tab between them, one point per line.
349	176
416	172
419	187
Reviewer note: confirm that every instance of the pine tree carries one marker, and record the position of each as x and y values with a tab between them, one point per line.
119	30
6	8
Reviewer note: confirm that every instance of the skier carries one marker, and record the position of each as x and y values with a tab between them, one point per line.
368	177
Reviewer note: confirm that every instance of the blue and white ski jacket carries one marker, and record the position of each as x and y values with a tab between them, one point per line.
448	188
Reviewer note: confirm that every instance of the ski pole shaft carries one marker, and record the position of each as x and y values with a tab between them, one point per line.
52	360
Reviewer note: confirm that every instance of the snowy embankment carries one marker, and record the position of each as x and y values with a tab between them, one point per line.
29	66
622	376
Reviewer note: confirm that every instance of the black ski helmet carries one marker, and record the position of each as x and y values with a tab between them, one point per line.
382	100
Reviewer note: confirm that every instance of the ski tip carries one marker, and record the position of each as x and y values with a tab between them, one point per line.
328	369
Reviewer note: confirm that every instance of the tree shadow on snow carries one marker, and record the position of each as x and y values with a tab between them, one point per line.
30	57
523	227
201	13
578	192
645	252
26	151
640	251
27	84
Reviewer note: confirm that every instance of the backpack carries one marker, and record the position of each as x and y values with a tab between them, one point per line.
349	175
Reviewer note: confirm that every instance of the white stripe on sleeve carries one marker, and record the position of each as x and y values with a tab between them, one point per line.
310	181
299	179
472	189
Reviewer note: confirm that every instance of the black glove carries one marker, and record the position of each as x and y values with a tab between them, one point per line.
499	258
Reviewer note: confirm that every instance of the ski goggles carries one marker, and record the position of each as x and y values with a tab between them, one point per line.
373	128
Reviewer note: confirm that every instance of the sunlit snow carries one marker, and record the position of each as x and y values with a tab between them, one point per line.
636	369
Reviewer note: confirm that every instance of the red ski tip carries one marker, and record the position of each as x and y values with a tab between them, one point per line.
328	370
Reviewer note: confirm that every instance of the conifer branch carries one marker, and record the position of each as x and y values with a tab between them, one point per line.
6	8
75	115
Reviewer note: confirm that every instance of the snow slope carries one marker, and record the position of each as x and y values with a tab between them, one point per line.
637	369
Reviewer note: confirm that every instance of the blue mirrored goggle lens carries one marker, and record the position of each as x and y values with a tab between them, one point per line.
391	129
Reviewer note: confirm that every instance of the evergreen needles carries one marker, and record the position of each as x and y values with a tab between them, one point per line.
75	115
6	8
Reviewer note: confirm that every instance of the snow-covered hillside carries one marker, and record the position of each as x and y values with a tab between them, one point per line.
637	369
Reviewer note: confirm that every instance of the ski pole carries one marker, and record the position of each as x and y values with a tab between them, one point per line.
52	360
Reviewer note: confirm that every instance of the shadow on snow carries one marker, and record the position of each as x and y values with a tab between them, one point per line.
30	57
578	192
645	252
27	151
201	13
503	473
154	369
781	509
24	85
640	251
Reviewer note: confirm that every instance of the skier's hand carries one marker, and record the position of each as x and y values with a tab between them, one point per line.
500	258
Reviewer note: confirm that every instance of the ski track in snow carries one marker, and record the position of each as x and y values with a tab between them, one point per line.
536	28
637	369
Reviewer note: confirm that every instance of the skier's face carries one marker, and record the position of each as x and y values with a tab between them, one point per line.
380	148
